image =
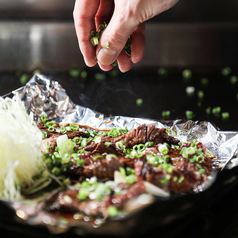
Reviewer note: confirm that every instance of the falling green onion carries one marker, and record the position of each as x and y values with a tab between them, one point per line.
226	71
216	110
74	73
189	114
225	115
139	101
166	113
187	73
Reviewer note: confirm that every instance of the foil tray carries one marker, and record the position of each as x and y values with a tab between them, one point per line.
42	95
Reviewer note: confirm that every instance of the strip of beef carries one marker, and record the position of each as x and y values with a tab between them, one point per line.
68	202
185	176
101	166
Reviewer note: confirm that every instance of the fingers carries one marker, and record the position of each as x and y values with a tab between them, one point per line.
138	43
84	20
137	51
104	12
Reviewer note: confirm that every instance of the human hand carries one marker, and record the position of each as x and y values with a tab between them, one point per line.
125	18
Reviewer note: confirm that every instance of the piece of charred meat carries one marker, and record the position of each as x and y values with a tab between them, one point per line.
145	153
93	198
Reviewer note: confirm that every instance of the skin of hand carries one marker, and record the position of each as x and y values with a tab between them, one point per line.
125	18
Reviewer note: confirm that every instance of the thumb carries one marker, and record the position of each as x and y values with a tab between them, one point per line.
113	39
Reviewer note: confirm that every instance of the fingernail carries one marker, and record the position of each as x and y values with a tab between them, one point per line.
106	56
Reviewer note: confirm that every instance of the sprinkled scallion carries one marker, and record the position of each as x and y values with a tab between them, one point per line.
112	211
107	143
44	135
163	148
74	127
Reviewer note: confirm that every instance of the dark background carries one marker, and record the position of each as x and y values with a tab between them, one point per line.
199	35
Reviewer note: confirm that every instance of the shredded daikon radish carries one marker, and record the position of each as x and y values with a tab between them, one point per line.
20	156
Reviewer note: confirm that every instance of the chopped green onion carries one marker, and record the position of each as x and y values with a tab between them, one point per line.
216	110
190	90
149	144
99	76
187	73
84	142
97	139
200	94
77	140
166	113
112	211
226	71
74	73
139	148
94	41
208	110
74	127
120	145
84	74
189	115
44	134
204	81
139	101
68	147
162	71
107	143
233	79
43	118
23	79
107	45
225	115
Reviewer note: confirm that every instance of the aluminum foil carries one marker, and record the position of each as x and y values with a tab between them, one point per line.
44	96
